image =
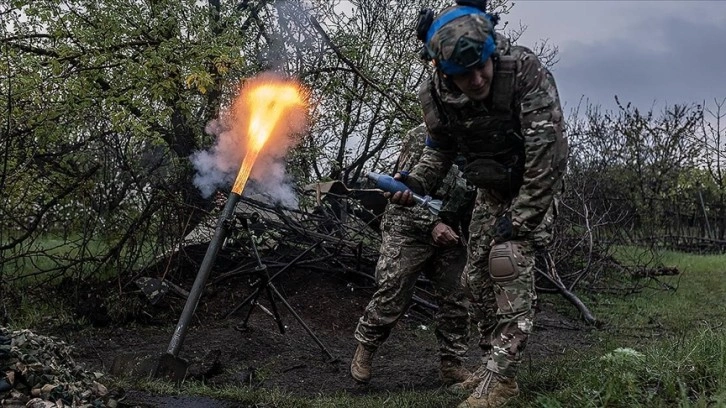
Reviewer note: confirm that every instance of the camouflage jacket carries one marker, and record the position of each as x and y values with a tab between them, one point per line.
417	221
519	125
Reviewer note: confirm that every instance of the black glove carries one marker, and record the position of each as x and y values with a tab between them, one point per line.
503	229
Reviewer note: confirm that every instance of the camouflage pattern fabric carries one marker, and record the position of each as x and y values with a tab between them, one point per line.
453	187
402	260
443	42
407	251
532	130
503	311
539	123
39	366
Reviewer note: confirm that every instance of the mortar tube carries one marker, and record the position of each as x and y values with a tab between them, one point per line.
209	257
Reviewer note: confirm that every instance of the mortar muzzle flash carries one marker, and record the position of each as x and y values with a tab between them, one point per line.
391	185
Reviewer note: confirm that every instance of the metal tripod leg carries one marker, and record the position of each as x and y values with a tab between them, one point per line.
276	274
273	306
266	281
272	292
302	322
252	299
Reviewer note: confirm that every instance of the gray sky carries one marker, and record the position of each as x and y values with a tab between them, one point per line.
646	52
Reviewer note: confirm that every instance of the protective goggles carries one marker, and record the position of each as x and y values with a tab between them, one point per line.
467	55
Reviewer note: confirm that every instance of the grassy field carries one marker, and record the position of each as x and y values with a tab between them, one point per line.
656	349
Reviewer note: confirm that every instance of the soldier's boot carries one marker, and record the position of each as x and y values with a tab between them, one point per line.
494	391
451	371
470	382
360	367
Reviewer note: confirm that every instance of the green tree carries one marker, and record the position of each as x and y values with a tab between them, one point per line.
713	135
105	101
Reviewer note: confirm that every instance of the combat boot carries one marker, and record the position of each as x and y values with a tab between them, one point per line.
452	371
470	382
360	367
493	391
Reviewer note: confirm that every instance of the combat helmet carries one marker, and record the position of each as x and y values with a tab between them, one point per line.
461	37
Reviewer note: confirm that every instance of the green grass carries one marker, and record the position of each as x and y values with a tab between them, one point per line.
281	399
36	310
29	280
699	297
672	371
50	253
52	257
658	348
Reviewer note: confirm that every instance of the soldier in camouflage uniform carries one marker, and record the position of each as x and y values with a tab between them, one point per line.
498	106
415	242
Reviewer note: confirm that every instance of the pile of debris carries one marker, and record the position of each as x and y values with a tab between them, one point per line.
337	231
340	236
39	372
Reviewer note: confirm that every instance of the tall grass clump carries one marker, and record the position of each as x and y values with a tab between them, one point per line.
684	371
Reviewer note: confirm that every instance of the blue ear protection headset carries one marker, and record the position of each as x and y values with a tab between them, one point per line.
468	53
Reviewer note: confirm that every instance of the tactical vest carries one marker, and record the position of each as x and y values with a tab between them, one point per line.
489	138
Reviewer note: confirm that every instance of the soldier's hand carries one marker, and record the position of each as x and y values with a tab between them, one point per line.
401	198
443	235
404	198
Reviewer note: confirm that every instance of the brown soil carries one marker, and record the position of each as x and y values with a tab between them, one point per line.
330	304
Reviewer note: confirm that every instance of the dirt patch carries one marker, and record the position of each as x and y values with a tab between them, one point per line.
330	304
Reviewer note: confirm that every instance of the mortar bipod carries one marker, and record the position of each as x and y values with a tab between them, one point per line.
264	283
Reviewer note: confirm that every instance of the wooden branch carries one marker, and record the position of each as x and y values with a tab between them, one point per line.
355	69
49	205
571	297
178	290
588	227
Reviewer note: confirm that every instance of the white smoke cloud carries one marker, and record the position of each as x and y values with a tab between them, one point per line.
208	177
274	183
217	167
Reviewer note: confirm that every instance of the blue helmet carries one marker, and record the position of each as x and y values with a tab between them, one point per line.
459	39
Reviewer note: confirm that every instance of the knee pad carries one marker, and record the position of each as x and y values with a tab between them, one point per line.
502	263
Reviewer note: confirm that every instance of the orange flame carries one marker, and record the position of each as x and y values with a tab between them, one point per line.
263	103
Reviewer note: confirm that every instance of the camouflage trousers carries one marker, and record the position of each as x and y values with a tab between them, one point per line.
402	260
502	309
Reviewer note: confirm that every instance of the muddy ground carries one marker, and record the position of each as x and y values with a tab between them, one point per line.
330	304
